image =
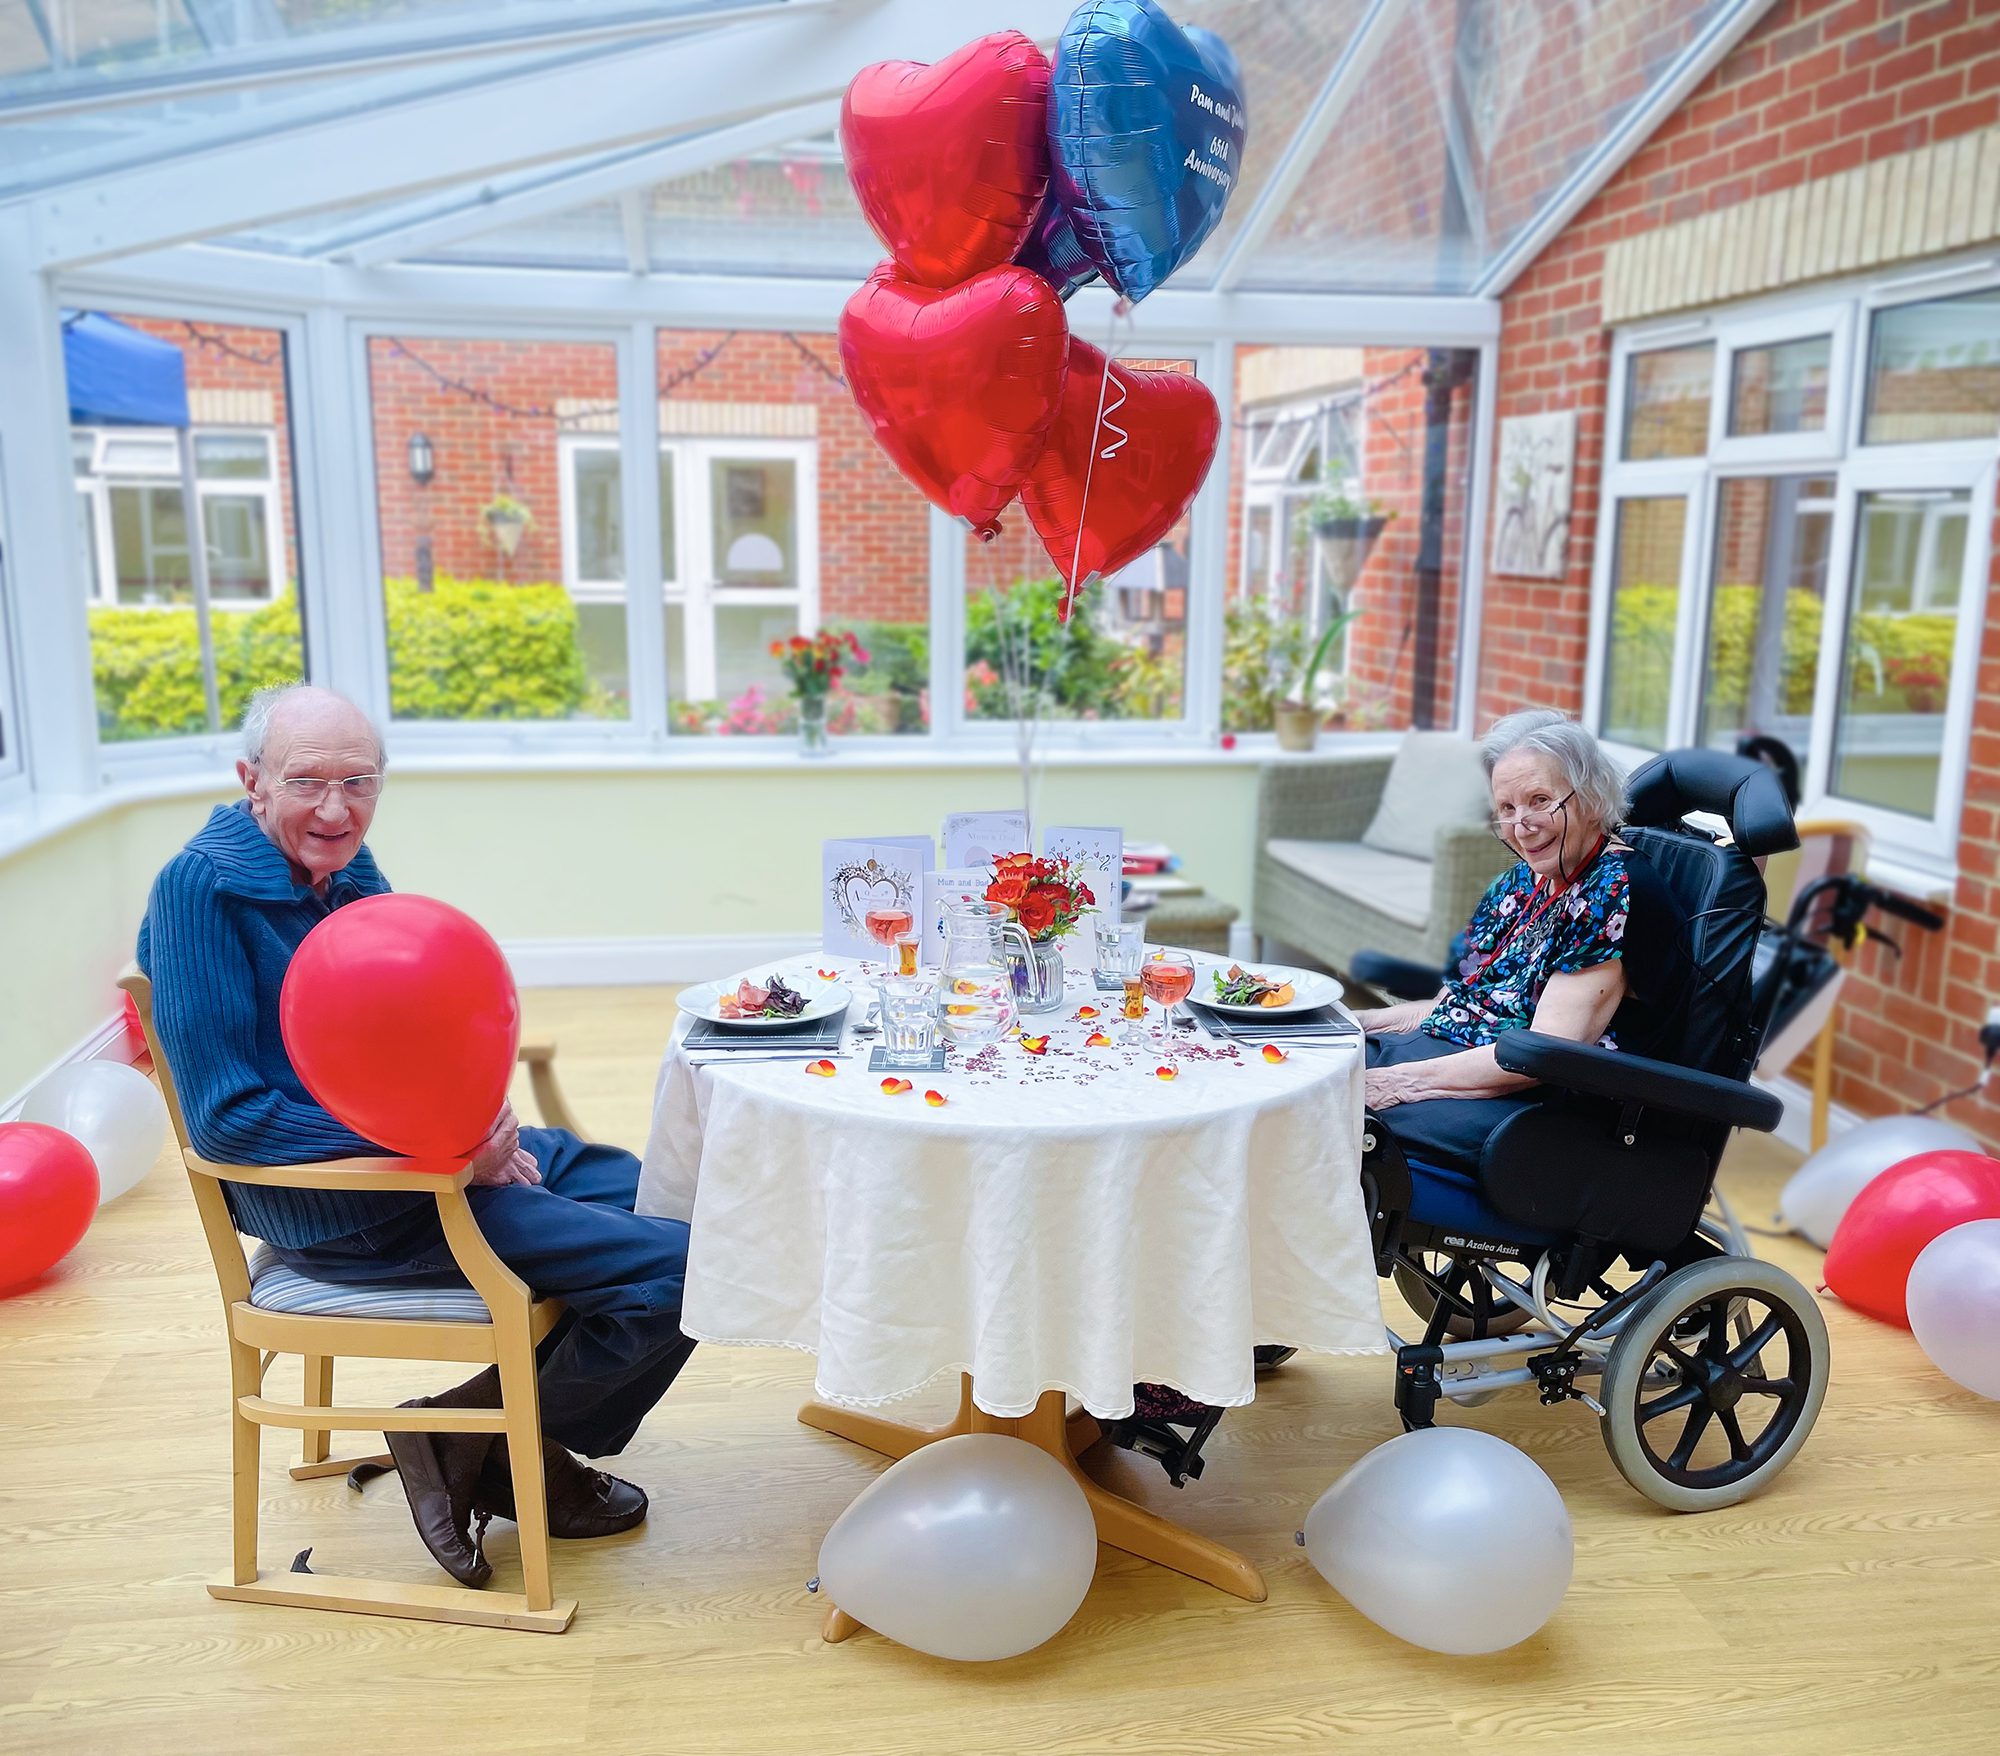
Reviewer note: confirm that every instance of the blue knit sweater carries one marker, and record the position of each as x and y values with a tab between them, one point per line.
225	916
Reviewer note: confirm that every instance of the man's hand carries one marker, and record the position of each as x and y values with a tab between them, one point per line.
500	1159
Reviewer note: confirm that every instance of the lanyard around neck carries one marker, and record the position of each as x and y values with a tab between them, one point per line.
1544	900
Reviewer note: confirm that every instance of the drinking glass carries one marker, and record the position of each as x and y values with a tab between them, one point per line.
909	1021
1168	979
1119	944
906	948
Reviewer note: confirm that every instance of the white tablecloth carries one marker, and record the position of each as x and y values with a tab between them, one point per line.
1069	1221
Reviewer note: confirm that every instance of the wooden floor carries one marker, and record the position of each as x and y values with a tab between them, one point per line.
1851	1609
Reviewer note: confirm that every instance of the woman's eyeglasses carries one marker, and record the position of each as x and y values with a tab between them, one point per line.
310	789
1508	822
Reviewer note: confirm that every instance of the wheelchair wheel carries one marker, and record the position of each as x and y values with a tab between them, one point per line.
1475	1308
1714	1382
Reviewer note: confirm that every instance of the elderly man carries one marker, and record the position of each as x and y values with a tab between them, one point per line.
225	917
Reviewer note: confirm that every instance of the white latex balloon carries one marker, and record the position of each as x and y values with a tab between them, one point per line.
1448	1537
976	1547
1954	1303
114	1110
1822	1188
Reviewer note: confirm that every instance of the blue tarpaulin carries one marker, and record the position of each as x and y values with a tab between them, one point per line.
120	376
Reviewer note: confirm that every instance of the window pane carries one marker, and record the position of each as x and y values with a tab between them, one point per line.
1375	529
1645	604
243	456
1902	627
1666	402
1766	607
239	548
1781	388
770	445
483	623
145	634
1934	371
1122	655
600	519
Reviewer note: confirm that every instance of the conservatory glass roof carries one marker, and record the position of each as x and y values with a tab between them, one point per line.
1394	145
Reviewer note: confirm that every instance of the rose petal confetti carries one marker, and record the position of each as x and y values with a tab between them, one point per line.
821	1069
893	1087
829	975
1097	1040
1166	1073
1086	1012
1274	1054
936	1099
1035	1045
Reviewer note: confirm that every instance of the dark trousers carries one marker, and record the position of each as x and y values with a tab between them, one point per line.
619	1345
1440	1131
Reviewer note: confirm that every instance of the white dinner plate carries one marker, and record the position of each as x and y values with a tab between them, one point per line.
822	998
1310	989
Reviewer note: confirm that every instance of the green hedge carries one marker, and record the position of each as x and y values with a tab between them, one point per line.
147	666
485	649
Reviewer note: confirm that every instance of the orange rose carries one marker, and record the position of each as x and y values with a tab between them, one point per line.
1008	888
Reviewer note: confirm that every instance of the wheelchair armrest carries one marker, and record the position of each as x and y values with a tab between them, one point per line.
1396	976
1609	1073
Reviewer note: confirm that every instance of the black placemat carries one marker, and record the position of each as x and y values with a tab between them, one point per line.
813	1033
1323	1021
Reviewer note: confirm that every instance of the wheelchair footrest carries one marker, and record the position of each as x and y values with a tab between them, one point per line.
1417	1385
1175	1451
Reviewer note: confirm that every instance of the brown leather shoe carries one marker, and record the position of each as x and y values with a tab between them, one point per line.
583	1502
440	1476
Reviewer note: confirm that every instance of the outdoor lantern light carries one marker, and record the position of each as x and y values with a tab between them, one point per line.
423	461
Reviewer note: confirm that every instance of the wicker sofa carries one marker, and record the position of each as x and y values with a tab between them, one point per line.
1322	891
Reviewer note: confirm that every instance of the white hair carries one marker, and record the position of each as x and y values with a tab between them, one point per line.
265	704
1594	778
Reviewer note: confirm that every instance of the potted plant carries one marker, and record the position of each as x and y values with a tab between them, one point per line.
507	522
1346	527
1297	716
813	664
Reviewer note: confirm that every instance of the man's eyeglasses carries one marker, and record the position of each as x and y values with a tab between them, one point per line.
1508	822
310	789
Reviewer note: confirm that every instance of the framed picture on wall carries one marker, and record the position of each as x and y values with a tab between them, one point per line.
1532	487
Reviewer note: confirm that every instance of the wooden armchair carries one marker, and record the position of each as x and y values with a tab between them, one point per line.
498	1323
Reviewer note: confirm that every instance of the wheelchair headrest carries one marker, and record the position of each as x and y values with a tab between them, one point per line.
1745	794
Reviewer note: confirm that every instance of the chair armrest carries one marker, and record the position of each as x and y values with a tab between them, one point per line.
1638	1079
1396	976
347	1176
1333	800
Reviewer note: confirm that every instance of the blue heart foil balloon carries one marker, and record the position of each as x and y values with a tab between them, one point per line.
1146	132
1051	250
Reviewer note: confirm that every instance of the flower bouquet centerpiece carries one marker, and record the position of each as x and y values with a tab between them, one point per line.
814	664
1047	899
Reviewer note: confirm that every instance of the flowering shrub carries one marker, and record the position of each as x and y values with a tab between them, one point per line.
1045	896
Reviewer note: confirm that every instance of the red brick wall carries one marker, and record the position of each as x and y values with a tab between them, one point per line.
1814	89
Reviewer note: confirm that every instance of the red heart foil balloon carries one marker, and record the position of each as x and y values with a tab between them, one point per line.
950	161
1888	1224
961	386
1125	460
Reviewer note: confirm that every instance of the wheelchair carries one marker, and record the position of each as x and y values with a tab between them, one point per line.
1586	1252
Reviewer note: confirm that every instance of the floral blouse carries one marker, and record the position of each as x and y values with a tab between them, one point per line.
1518	939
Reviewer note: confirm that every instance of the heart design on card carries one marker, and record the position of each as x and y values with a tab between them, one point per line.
857	889
950	161
1124	461
960	387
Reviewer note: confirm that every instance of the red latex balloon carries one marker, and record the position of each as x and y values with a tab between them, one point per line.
1895	1216
1127	472
949	161
960	386
48	1196
400	1016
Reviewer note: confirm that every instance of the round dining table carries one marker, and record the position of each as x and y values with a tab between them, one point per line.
1054	1216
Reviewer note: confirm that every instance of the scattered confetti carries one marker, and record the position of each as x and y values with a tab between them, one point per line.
1035	1045
1166	1073
1086	1012
821	1069
829	975
936	1099
893	1087
1097	1040
1274	1054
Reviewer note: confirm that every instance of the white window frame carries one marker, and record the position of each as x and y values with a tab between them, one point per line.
568	447
13	746
1271	486
1927	845
95	490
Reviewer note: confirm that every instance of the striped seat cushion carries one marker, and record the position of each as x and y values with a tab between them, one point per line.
276	1287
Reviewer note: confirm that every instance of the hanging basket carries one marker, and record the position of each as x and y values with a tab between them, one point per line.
1345	544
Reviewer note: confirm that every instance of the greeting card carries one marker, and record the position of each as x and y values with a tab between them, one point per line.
1099	856
978	838
856	876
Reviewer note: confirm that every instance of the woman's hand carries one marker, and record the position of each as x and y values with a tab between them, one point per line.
1382	1088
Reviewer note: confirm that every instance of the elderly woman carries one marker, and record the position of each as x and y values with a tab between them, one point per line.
1545	950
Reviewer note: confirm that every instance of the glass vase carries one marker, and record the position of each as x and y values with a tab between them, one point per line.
813	739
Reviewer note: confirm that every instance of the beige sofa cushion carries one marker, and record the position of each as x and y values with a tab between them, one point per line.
1388	883
1437	781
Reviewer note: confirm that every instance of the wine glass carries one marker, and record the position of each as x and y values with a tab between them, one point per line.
1168	978
885	926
